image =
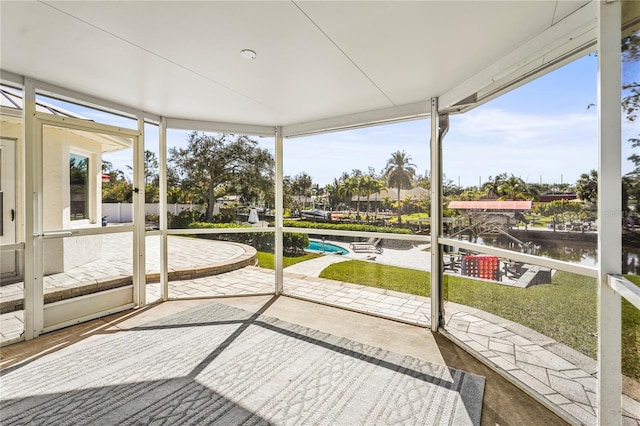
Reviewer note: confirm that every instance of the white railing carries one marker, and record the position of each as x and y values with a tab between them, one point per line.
626	289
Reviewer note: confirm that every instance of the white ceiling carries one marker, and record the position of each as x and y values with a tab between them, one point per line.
316	60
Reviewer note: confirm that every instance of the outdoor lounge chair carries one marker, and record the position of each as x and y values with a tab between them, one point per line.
513	269
452	262
370	246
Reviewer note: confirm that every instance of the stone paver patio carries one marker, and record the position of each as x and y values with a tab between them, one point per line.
560	375
556	372
188	258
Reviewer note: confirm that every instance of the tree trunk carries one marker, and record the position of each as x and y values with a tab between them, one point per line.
399	211
211	201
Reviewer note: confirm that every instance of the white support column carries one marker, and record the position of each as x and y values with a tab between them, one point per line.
436	218
139	278
33	252
609	211
279	192
164	260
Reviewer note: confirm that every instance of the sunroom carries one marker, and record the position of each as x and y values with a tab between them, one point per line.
161	83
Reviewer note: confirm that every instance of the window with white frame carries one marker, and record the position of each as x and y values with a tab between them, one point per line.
79	186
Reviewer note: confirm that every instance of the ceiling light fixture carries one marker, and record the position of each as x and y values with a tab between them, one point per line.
248	54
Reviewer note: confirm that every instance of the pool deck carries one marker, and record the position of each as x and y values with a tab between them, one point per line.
558	374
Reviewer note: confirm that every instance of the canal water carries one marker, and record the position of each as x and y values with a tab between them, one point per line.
569	250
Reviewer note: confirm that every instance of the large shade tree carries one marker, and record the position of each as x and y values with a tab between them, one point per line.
117	188
587	187
399	173
212	166
631	106
557	209
151	177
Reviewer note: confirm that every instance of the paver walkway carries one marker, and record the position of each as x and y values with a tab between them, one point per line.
559	374
313	267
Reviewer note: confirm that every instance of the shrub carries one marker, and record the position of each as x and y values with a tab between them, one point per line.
293	242
345	227
223	217
184	218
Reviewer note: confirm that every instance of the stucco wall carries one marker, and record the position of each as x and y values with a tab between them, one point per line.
13	130
58	144
69	252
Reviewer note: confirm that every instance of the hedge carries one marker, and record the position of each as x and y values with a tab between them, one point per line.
345	227
293	242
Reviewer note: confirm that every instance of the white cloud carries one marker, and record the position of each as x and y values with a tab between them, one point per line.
491	141
521	128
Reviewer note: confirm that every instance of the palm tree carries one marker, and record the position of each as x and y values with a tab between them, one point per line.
399	172
303	183
317	191
512	188
346	190
366	184
295	190
332	190
386	202
492	186
358	188
370	185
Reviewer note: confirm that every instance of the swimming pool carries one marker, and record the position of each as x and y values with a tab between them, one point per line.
316	246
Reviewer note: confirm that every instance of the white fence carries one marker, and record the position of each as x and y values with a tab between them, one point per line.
123	212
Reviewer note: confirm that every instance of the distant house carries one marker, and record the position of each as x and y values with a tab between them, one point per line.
416	194
302	201
498	211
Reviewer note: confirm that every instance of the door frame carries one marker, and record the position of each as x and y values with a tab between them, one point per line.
9	202
41	317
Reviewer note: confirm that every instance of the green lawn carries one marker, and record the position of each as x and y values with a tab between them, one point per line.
267	260
539	221
381	276
565	310
414	217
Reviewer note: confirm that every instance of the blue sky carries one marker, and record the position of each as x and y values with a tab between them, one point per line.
543	131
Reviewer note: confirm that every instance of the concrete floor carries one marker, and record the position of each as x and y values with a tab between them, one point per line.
504	404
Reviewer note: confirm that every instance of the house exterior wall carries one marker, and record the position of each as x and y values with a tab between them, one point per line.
60	254
13	130
59	144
